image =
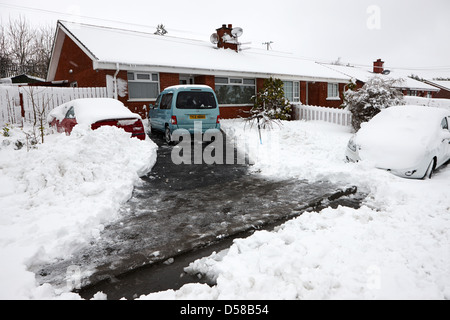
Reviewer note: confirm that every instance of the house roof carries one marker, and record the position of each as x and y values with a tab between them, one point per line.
110	48
364	74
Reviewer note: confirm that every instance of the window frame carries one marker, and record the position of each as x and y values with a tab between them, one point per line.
151	79
333	94
295	85
234	82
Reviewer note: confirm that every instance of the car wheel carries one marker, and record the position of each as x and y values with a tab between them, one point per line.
430	169
168	136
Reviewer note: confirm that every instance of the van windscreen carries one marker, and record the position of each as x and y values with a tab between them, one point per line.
196	100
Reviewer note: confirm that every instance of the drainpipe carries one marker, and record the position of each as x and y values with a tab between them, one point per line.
116	87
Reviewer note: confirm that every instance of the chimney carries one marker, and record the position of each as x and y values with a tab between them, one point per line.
378	66
226	39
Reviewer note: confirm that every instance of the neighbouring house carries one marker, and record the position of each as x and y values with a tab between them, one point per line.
407	85
442	85
135	66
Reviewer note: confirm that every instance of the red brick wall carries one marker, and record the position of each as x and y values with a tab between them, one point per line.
168	79
206	80
234	112
73	58
318	94
443	94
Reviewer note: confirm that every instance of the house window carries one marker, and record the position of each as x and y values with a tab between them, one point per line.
235	91
333	91
412	93
143	86
292	90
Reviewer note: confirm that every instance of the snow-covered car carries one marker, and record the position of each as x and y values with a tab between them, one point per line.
409	141
96	112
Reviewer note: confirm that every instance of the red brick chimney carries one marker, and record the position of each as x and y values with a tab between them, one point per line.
226	39
378	66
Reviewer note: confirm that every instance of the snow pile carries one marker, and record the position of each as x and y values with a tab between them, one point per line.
396	246
57	197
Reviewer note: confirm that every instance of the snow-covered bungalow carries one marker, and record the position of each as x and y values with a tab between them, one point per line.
135	66
442	85
407	85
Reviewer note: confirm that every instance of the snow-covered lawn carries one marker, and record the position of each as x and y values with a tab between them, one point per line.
397	245
57	197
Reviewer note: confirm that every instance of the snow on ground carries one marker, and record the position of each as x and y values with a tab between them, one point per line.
57	197
396	246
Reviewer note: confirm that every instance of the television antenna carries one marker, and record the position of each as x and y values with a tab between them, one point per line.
237	32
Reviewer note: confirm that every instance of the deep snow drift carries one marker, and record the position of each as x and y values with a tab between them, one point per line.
57	197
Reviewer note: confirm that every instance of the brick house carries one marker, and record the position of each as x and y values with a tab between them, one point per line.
442	85
135	66
407	85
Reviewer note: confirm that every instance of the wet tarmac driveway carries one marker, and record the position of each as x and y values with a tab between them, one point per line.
182	209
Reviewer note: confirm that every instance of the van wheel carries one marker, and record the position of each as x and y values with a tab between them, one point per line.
168	136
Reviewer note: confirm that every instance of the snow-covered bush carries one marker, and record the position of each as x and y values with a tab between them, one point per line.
270	104
377	93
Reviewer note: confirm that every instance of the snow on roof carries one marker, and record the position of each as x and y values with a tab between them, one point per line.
363	74
134	50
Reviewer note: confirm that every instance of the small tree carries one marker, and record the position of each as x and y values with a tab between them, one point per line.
270	104
377	93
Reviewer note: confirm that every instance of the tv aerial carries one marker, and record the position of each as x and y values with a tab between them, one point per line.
237	32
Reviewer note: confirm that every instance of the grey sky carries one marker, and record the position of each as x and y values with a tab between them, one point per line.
407	34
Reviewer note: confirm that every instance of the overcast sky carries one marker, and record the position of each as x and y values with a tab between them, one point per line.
409	35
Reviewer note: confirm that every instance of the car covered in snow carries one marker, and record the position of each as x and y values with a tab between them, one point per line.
409	141
184	107
96	112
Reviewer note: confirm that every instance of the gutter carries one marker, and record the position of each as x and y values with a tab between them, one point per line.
215	72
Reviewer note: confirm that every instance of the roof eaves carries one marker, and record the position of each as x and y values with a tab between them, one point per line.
112	65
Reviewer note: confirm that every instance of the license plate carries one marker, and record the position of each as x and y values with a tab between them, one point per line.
197	116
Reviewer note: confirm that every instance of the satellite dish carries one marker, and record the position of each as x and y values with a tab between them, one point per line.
237	32
214	38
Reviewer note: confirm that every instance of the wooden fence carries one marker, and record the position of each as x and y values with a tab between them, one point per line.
18	104
333	115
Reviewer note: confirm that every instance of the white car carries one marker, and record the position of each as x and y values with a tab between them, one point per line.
409	141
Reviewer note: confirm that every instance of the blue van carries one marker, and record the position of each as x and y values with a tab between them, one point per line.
179	107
